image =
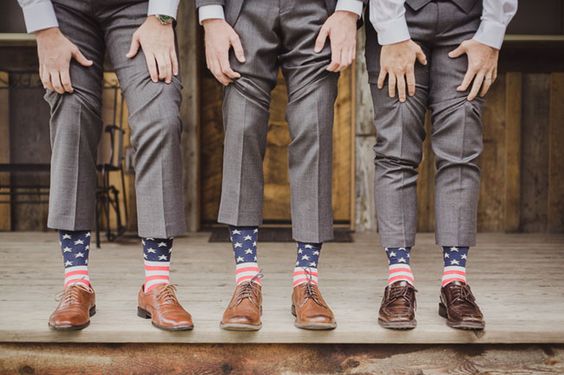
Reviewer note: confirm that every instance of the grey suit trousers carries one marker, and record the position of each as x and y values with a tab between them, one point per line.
280	34
96	27
456	137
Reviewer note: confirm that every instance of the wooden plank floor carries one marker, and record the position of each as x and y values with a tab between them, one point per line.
518	280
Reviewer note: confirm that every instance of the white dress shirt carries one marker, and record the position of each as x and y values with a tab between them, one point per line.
216	11
39	14
388	19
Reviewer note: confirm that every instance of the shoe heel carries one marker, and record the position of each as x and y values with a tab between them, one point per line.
143	313
293	310
92	310
442	310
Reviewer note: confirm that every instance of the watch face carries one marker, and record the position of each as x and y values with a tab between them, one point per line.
164	19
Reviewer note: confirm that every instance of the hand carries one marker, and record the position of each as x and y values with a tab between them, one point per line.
482	66
219	38
55	52
157	42
398	62
340	28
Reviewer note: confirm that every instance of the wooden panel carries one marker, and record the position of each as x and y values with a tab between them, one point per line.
513	89
31	275
556	155
534	168
5	215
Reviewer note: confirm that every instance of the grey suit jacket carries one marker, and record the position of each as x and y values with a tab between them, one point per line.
233	7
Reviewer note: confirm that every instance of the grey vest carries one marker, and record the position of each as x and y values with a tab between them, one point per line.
465	5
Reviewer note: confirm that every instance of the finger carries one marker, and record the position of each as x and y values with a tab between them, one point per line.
134	48
391	85
457	52
476	86
238	49
421	57
410	78
466	80
66	81
381	78
335	63
152	66
44	75
344	60
56	81
494	74
165	68
488	80
217	73
401	87
321	39
174	60
82	60
226	67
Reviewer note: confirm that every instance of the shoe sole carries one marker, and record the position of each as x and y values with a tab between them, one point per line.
312	326
240	327
142	313
91	313
470	326
403	326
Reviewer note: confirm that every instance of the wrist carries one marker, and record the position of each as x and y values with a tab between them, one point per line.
212	21
47	33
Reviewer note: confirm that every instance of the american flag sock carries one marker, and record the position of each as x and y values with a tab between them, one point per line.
454	258
244	241
156	253
306	263
398	265
75	246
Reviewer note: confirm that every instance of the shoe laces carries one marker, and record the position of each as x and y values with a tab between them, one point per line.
462	294
71	294
247	290
310	289
400	292
167	295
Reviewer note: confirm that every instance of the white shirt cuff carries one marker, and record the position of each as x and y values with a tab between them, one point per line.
40	16
490	33
163	7
208	12
393	31
354	6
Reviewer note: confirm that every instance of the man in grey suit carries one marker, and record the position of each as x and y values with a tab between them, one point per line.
266	35
441	55
72	40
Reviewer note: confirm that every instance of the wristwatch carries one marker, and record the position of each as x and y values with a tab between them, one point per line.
164	20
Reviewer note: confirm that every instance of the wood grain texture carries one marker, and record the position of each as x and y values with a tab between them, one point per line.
5	214
520	303
513	100
233	359
555	216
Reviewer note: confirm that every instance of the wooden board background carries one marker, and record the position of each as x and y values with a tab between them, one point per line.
277	189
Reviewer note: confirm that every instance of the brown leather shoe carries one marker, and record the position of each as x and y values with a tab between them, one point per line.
77	304
458	306
245	308
397	310
310	309
162	307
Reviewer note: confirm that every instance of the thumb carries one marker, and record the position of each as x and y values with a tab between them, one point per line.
421	57
134	47
321	39
82	60
459	51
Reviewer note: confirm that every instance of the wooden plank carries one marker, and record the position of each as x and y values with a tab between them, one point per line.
426	183
281	359
205	287
5	209
534	167
513	90
555	216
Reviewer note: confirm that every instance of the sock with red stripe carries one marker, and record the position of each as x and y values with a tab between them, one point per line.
244	241
156	253
398	265
75	246
306	263
455	264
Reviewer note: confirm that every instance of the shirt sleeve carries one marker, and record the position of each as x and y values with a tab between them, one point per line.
163	7
496	15
38	14
207	12
354	6
388	19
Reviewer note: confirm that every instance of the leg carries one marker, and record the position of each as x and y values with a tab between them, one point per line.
155	124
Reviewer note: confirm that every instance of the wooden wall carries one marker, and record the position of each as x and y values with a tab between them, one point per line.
522	164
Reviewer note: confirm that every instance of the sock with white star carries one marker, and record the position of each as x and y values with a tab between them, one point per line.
75	246
156	253
244	241
455	264
398	265
306	263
